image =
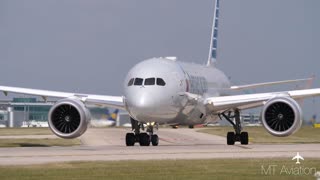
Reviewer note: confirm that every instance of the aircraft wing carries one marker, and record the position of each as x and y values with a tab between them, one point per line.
109	101
223	103
252	86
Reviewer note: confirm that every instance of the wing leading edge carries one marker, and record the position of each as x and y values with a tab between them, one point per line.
252	86
220	104
109	101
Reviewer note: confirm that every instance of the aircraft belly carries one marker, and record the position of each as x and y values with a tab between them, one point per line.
183	119
160	116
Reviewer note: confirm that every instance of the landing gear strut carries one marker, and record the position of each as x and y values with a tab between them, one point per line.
238	135
144	139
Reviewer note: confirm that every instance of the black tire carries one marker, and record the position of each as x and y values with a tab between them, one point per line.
191	126
244	138
130	139
231	138
155	140
144	139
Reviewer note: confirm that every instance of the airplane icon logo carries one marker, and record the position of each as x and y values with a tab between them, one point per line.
298	158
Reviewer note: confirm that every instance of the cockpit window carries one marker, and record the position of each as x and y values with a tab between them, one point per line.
150	81
130	83
138	82
160	82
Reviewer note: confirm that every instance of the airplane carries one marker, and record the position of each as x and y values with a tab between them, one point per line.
110	119
167	91
34	123
298	157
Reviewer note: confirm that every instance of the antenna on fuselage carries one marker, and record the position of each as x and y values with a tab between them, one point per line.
214	35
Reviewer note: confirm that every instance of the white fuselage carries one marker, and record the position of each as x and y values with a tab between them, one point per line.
159	90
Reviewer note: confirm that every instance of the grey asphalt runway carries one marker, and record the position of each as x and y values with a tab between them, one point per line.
109	145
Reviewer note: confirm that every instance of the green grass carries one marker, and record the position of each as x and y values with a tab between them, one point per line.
168	170
38	142
24	131
29	142
260	135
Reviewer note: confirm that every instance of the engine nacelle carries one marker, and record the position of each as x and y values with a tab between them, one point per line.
281	116
69	118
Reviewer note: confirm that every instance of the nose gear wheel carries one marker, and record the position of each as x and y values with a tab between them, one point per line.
145	138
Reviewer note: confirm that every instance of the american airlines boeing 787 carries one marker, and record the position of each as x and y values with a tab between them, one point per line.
164	90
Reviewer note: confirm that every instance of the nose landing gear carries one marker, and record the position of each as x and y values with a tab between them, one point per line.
144	139
237	136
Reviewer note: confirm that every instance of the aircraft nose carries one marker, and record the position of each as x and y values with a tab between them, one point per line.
140	102
140	106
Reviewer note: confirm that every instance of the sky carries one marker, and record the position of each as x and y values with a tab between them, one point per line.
89	46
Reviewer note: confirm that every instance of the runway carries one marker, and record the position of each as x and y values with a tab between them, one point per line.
108	145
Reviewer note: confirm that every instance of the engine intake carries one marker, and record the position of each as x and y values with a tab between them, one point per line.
69	118
282	116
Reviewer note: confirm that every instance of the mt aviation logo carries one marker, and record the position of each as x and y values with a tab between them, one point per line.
293	170
298	158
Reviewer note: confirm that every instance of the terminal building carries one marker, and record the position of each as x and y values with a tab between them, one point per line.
30	112
22	111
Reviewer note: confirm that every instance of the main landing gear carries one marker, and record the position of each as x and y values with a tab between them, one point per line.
237	136
144	139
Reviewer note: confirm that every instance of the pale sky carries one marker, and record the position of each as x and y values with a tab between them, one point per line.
89	46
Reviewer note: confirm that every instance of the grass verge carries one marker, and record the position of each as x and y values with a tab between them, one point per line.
168	170
38	142
260	135
24	131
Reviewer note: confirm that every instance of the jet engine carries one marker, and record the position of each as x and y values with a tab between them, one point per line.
281	116
69	118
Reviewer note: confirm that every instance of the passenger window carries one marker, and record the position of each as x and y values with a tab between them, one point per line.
160	82
150	81
138	82
130	83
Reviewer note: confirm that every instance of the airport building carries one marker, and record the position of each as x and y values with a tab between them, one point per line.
21	111
250	119
30	112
